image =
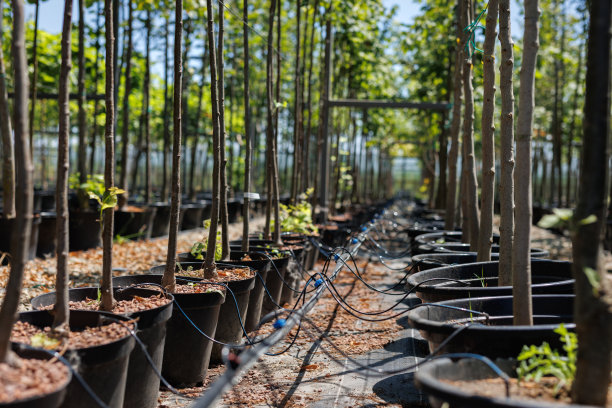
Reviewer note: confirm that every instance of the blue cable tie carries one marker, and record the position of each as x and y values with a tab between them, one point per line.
354	241
279	324
336	257
364	228
318	283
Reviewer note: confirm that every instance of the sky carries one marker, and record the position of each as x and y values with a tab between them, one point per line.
50	15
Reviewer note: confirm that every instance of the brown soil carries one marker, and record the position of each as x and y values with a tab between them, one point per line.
30	378
224	275
90	337
543	391
136	304
197	288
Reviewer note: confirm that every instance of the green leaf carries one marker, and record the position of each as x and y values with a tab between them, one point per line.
41	340
593	278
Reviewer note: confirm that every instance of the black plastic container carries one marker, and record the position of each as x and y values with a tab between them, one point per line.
261	265
424	262
6	231
53	399
85	230
495	336
430	378
194	213
104	367
135	224
547	277
161	222
142	387
187	352
229	329
47	240
461	247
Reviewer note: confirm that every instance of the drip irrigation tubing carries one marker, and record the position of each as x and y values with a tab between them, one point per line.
250	356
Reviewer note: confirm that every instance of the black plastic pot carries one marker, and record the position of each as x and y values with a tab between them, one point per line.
85	230
194	213
51	400
142	387
430	376
495	336
161	222
229	329
261	265
234	207
424	262
135	224
461	247
104	368
311	253
547	277
187	352
6	228
293	275
275	283
47	240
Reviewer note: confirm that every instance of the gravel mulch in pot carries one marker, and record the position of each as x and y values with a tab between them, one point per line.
30	378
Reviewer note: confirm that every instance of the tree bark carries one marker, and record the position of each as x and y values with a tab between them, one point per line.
270	115
274	153
106	289
34	83
593	303
571	133
164	187
209	260
8	148
61	308
82	118
24	193
169	280
297	110
485	236
225	247
453	154
196	133
125	142
147	114
94	129
521	259
468	142
506	134
247	129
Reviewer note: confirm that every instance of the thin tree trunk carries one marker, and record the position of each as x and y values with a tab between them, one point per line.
146	97
247	129
82	118
468	142
225	247
94	129
123	181
270	115
521	260
308	131
8	148
485	237
24	193
108	301
274	153
164	186
61	308
196	133
506	134
34	83
453	154
209	261
297	109
168	280
593	287
570	197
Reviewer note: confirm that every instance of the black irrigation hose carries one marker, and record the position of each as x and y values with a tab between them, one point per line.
250	356
432	356
148	357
